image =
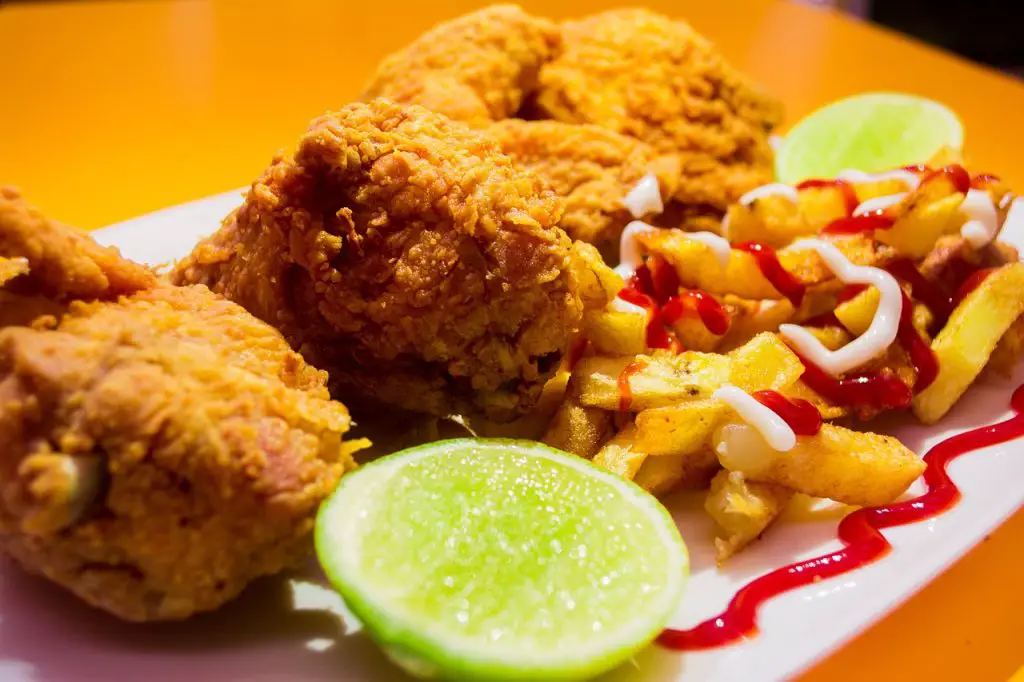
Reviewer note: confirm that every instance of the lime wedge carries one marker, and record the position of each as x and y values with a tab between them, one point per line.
872	132
501	560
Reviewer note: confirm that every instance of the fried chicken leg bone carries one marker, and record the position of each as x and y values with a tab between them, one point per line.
161	447
409	257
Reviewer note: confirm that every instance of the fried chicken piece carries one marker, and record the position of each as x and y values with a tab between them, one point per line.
65	262
593	169
159	451
653	78
409	257
475	68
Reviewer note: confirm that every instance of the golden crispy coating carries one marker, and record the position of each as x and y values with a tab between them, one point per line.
644	75
407	256
475	68
592	168
65	262
160	450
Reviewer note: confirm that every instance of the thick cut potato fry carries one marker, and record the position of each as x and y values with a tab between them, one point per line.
662	475
742	509
1008	351
965	344
764	362
925	215
679	429
661	379
598	283
614	332
620	455
692	333
697	266
754	317
843	465
832	338
579	430
857	313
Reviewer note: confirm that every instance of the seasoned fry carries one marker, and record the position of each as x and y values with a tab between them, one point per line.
598	283
925	215
679	429
856	314
742	509
840	464
764	362
964	345
803	391
620	455
661	379
661	475
613	332
578	429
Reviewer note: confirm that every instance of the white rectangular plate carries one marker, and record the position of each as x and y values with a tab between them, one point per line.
293	630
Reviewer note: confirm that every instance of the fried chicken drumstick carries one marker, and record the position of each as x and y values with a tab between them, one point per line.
161	448
410	258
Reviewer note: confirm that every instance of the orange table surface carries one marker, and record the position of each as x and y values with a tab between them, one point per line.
112	109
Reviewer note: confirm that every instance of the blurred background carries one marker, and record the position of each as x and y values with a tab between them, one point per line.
982	30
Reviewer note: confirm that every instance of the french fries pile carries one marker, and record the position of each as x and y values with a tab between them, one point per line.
650	415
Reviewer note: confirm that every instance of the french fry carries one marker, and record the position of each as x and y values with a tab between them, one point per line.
577	429
925	215
830	337
677	430
742	510
847	466
598	284
857	313
614	332
692	333
828	411
697	266
964	345
661	475
754	317
777	221
659	379
620	455
764	362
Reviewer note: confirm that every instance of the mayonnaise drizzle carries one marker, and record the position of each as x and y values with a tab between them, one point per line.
621	306
982	220
909	179
645	197
879	203
770	190
880	334
718	245
773	428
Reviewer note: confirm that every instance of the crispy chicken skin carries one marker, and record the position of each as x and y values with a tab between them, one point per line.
161	449
475	68
409	257
642	74
593	169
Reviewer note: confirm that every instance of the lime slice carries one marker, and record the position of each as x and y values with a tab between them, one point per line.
501	560
871	133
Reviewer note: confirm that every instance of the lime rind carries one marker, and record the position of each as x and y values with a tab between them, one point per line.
440	654
869	132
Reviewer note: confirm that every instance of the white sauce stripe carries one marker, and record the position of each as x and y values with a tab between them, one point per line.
909	179
1012	232
771	190
773	428
630	254
620	306
718	245
982	223
879	203
645	197
879	335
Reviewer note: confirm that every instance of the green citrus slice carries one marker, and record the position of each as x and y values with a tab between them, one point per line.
872	132
501	560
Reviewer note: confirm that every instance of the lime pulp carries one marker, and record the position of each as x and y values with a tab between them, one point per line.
501	560
871	132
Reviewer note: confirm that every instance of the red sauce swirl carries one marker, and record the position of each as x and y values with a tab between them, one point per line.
849	192
861	534
768	262
801	415
711	313
625	390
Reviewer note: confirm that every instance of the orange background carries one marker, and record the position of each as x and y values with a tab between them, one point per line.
112	109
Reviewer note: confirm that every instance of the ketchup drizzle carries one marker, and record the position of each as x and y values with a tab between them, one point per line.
921	356
859	224
861	534
657	335
971	283
848	190
932	296
711	313
625	390
955	173
768	262
864	389
800	414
